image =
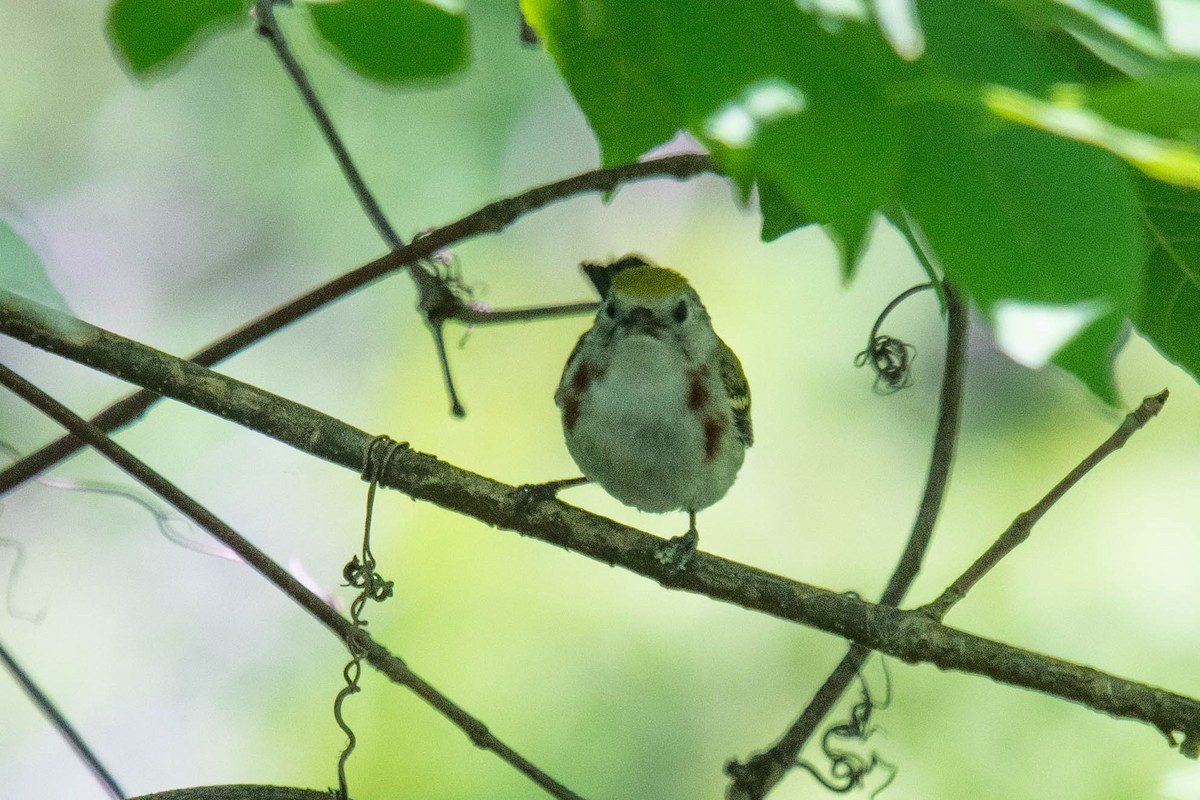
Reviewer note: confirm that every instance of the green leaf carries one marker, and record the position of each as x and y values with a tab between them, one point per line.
1168	308
1084	62
1042	231
779	215
22	272
150	36
1173	160
393	40
1166	103
1122	34
775	93
1143	12
841	164
609	63
1018	215
977	42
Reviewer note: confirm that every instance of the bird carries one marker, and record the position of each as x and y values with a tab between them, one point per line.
655	406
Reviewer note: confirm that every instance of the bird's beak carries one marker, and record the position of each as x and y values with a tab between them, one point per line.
641	321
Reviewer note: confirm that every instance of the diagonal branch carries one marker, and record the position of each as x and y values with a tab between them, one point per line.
491	218
236	792
47	707
1019	530
375	654
432	290
439	299
908	635
268	28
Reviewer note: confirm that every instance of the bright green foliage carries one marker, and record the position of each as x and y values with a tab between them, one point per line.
386	40
835	125
1165	103
773	91
22	272
976	42
1013	213
1124	33
150	35
393	40
1168	311
1056	13
779	216
615	73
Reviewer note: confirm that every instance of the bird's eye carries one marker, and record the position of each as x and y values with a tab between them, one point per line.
610	309
681	311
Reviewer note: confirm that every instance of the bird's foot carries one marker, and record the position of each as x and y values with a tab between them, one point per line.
677	552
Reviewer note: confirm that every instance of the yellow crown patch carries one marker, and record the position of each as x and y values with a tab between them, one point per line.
649	281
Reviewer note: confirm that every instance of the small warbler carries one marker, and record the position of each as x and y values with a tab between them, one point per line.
655	407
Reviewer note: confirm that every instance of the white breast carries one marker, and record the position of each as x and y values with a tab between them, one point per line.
637	438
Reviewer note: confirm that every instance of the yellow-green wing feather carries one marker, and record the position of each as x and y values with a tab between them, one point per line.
738	389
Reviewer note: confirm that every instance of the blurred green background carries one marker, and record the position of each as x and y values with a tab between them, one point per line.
175	212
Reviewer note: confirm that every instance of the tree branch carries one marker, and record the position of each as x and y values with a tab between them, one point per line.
491	218
945	439
238	792
908	635
47	707
268	28
762	772
1019	530
438	299
375	654
432	289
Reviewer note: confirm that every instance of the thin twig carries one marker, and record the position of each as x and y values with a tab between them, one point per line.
1019	530
908	635
491	218
757	776
361	574
437	300
268	28
375	653
47	707
890	307
432	290
439	342
473	316
890	358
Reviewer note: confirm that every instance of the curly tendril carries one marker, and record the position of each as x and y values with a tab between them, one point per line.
848	770
890	358
360	574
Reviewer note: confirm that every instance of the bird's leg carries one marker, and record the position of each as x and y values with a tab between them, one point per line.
529	493
678	551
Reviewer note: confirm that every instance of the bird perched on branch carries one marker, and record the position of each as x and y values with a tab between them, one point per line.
655	406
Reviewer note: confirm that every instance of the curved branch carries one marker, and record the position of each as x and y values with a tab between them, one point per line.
908	635
491	218
760	773
945	439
